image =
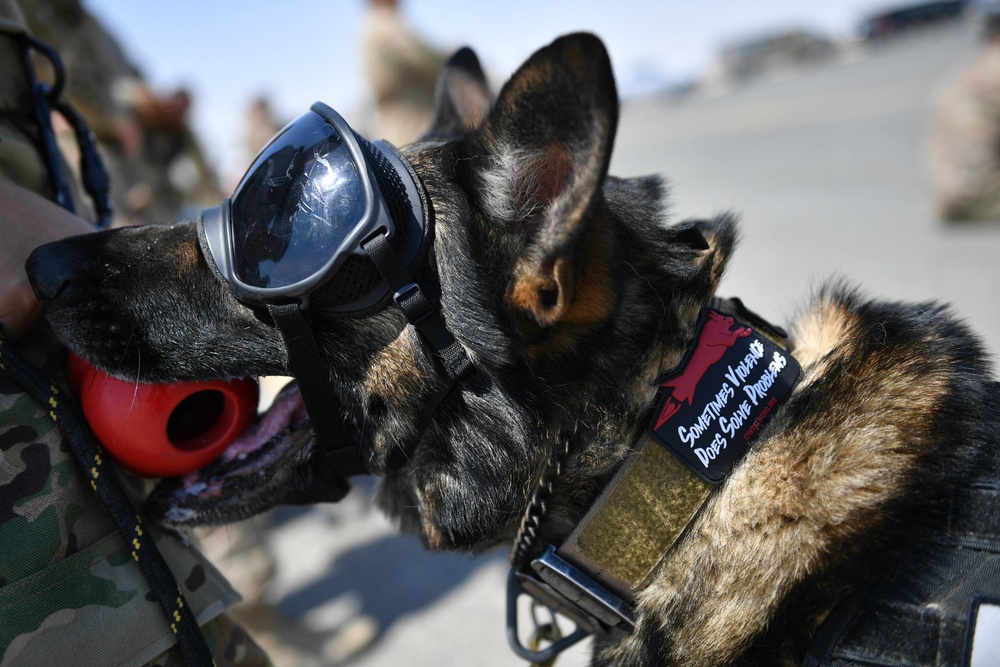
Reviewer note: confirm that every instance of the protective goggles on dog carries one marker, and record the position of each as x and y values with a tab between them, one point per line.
322	208
300	216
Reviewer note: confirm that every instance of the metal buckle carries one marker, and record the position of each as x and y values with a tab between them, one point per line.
555	584
416	309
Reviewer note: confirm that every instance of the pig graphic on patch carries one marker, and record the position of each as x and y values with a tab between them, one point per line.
716	337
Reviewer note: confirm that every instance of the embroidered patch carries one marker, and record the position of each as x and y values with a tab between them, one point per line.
730	384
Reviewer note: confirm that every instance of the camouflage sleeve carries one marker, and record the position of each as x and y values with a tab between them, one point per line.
68	585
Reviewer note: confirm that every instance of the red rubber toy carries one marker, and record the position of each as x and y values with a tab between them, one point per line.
162	430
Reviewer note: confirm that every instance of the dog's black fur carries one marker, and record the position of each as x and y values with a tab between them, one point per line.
571	294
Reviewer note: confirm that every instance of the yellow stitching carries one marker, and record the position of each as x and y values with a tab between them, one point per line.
53	415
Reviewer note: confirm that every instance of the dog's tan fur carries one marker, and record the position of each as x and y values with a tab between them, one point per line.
803	488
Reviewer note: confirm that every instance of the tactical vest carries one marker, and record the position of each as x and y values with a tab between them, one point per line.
941	605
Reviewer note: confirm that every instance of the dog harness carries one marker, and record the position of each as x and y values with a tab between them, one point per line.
733	379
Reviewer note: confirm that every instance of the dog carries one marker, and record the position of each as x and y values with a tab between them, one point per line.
572	295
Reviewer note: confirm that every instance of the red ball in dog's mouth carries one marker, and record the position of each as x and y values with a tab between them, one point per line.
163	430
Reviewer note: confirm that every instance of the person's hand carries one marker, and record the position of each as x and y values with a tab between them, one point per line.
26	222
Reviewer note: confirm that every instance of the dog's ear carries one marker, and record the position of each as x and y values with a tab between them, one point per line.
462	97
543	155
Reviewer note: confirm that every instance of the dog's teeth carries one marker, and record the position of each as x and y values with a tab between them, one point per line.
178	516
195	488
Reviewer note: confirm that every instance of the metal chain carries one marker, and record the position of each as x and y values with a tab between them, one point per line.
527	533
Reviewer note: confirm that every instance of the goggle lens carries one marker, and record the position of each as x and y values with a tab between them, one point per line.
297	203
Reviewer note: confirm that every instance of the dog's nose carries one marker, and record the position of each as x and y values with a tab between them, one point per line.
51	269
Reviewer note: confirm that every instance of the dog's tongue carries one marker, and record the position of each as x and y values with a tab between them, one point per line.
288	409
274	462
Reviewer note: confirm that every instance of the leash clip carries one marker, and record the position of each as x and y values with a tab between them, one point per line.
550	581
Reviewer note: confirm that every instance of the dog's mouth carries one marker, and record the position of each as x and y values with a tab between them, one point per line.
274	462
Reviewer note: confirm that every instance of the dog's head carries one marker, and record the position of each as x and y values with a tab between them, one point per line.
564	286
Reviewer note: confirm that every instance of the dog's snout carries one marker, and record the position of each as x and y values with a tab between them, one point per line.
52	269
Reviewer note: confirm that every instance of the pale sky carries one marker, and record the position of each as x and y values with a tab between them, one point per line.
228	52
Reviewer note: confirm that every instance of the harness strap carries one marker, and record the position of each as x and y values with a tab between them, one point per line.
44	99
633	524
612	554
95	177
41	94
90	457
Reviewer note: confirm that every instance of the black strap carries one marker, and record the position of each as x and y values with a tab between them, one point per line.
427	320
418	310
310	371
95	177
41	95
95	464
44	99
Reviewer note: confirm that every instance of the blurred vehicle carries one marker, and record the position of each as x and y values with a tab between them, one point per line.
781	50
901	19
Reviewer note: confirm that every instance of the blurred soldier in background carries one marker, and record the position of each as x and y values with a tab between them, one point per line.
402	71
965	136
261	126
156	164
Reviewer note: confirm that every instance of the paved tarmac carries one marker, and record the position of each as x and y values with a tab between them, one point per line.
827	169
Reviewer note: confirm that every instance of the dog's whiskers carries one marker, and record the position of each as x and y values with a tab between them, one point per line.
663	306
135	393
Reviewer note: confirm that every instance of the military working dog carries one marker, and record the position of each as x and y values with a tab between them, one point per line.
573	296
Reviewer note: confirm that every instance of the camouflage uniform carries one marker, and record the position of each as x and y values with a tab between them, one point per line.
70	591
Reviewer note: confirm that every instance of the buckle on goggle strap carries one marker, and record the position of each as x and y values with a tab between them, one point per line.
411	301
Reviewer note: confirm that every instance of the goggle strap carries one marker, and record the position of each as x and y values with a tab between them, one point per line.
420	312
390	185
427	320
322	405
